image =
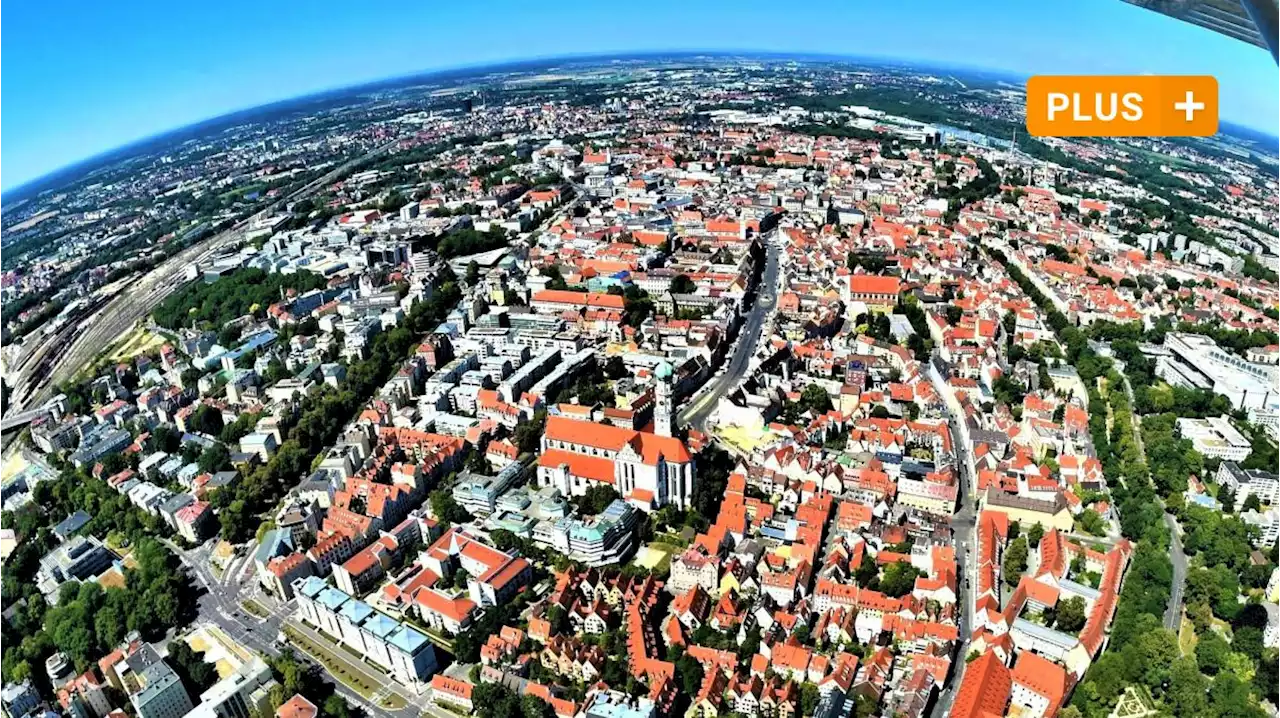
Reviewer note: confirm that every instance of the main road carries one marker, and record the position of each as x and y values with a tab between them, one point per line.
727	380
69	349
963	527
1177	558
1173	613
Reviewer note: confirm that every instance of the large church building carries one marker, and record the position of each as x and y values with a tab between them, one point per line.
648	470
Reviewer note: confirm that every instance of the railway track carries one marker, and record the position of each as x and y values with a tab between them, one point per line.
80	341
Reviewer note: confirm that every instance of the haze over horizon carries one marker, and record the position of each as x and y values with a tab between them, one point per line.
129	77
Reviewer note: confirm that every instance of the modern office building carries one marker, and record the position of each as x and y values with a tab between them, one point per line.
479	494
397	648
99	441
1195	361
243	694
160	693
19	699
1266	523
82	558
595	541
1215	438
1249	482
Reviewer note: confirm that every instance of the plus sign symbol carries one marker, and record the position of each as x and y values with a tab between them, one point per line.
1189	106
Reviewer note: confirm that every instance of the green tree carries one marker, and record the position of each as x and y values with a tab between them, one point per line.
1211	653
809	698
1187	692
899	579
460	578
867	571
1070	614
1229	698
1015	561
445	508
217	304
109	625
690	672
214	458
1248	641
1092	523
206	420
816	399
165	438
1227	498
682	284
597	498
1034	534
504	540
615	368
528	434
335	706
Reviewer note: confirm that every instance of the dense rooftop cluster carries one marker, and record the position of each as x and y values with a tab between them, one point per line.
747	397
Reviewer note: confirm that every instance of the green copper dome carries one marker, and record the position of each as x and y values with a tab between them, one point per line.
664	371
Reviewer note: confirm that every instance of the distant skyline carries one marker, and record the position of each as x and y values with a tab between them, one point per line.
83	79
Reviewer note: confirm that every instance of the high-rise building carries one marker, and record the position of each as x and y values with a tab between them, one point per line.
240	695
161	694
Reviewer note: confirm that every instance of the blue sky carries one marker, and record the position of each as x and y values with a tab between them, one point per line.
80	78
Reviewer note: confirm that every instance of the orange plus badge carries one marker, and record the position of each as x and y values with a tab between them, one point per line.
1122	105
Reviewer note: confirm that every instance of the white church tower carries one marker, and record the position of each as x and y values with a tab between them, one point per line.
663	402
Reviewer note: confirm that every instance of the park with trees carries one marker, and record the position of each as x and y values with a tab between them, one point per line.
1144	477
214	305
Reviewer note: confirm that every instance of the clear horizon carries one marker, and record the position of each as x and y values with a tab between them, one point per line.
59	123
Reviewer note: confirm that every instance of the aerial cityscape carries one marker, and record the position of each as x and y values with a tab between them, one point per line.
649	386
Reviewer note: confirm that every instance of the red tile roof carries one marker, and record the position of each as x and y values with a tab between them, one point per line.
580	299
451	687
588	467
456	609
985	689
296	707
614	438
1042	677
872	284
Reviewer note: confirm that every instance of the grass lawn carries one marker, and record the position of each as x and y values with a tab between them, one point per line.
656	555
1187	637
352	672
671	540
137	341
255	609
337	666
436	637
1160	158
742	438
